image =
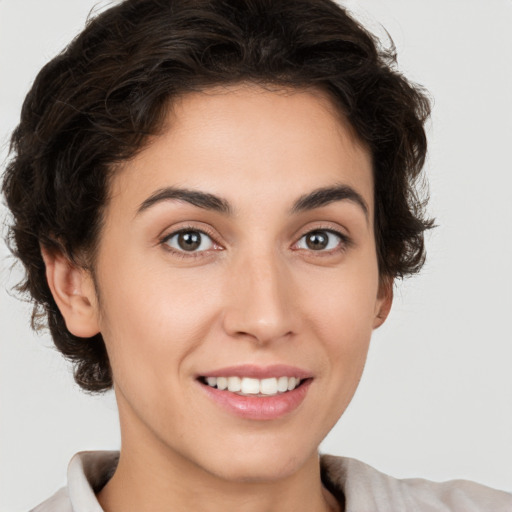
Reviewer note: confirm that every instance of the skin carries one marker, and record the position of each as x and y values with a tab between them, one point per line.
256	294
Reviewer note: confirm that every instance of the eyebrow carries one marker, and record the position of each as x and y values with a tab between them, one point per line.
315	199
324	196
194	197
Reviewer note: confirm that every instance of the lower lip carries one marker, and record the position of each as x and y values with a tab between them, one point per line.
259	407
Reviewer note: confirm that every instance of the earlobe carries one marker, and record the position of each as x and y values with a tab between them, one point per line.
384	302
73	291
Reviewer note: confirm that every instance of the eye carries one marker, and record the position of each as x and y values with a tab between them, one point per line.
320	240
189	240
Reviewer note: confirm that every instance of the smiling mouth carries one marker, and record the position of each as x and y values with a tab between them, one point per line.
248	386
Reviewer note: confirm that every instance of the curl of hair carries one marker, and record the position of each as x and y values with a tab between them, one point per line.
96	104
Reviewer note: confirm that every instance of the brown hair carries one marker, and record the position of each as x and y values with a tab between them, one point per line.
97	102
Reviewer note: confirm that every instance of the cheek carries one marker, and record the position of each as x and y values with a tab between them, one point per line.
342	314
152	320
343	303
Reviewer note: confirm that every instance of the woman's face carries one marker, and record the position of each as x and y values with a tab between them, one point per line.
238	250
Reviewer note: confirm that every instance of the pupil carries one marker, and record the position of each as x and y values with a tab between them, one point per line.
189	240
317	240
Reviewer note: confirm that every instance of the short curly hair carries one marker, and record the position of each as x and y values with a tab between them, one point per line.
96	104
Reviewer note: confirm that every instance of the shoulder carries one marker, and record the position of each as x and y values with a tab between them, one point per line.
87	473
59	502
365	488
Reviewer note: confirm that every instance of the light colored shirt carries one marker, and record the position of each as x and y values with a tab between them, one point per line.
357	486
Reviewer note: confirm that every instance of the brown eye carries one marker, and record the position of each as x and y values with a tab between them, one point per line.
317	240
189	241
320	240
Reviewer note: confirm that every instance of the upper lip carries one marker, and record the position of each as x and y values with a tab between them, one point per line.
259	372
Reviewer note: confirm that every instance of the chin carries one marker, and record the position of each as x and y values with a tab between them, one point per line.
258	472
259	465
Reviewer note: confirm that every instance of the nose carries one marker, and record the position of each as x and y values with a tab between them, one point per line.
259	300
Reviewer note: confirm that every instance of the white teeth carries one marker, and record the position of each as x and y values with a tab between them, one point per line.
249	386
268	386
234	384
222	383
282	384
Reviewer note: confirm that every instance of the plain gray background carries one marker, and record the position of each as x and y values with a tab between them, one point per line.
436	397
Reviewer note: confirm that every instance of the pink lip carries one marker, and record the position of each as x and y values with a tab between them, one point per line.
259	372
259	407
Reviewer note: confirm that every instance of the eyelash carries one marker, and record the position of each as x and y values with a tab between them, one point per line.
344	242
186	254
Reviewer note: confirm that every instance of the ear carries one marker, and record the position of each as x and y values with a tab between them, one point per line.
73	291
384	301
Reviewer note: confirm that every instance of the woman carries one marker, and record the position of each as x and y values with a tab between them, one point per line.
212	200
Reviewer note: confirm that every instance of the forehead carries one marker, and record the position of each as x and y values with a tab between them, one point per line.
249	144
